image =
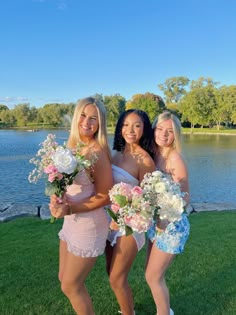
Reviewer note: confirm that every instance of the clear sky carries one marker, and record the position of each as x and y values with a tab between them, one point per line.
63	50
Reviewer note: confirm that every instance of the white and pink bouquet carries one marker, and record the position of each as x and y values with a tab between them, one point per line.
129	208
58	164
164	194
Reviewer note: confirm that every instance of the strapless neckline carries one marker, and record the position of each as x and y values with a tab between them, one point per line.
123	172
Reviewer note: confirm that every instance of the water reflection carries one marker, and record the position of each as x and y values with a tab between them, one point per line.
211	162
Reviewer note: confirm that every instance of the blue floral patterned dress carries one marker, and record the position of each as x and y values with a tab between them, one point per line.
172	240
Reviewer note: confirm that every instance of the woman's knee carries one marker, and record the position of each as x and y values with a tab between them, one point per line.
69	288
117	281
153	279
148	276
65	288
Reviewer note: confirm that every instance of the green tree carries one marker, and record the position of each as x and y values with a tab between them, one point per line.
197	106
8	118
55	114
152	104
22	114
174	89
203	82
115	105
33	115
226	105
188	108
206	105
3	107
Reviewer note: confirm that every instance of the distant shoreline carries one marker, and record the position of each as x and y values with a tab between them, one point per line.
186	131
209	133
198	131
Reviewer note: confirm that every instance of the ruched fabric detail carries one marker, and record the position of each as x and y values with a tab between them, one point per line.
85	233
80	252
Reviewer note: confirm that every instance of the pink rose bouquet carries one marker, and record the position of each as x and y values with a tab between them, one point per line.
129	208
58	164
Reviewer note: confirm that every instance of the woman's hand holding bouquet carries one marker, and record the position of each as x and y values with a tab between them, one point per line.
59	165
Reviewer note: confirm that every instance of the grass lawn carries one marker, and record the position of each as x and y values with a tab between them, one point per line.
201	280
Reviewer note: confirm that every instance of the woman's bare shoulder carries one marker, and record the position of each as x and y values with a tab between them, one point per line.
176	162
97	152
175	156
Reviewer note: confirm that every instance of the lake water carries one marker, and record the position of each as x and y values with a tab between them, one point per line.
211	161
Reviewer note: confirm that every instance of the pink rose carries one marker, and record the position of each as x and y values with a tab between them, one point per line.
59	176
51	177
136	190
115	207
50	169
138	223
127	220
125	189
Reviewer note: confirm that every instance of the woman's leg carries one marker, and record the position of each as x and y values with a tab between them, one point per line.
75	271
156	268
123	256
62	258
149	248
108	253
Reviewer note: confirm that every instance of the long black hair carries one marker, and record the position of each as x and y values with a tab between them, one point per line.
146	141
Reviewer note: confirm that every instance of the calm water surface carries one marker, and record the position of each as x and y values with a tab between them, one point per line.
211	162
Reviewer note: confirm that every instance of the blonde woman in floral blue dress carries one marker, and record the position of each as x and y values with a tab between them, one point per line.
166	239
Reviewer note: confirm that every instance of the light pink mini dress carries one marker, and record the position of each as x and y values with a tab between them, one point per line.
85	233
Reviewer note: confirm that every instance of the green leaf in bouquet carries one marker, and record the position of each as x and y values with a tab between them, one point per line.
111	214
121	200
128	230
50	190
52	219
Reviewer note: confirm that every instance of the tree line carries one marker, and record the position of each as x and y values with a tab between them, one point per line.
198	103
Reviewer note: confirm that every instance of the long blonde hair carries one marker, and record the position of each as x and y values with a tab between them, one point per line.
100	135
176	125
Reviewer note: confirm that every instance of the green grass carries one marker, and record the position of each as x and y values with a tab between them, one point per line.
201	280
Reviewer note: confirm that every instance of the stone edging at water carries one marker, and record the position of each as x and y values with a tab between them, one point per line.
13	211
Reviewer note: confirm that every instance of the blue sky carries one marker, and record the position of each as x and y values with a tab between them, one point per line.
63	50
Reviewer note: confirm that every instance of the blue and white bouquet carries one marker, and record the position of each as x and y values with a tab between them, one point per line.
164	193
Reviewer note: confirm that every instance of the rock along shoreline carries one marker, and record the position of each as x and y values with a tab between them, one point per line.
11	211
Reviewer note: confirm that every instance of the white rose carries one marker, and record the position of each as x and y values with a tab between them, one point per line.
64	160
160	187
179	202
157	173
